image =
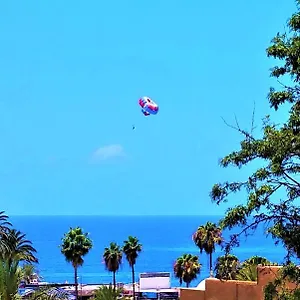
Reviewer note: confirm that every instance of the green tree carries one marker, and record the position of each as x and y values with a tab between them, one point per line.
273	189
107	293
205	238
4	227
16	248
75	245
29	273
131	249
113	258
4	223
10	278
226	267
248	269
186	268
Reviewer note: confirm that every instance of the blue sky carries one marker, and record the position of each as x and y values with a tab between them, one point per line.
71	73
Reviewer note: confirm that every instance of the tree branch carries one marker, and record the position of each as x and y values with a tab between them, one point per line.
292	179
237	128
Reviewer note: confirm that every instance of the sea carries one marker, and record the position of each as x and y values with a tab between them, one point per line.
164	238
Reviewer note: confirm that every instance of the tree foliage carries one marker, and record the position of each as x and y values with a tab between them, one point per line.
131	249
75	245
206	238
273	189
186	268
108	293
279	153
15	249
113	258
226	267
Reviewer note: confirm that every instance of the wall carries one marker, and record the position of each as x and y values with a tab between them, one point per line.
232	289
154	281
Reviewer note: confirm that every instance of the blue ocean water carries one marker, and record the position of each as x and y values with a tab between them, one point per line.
164	238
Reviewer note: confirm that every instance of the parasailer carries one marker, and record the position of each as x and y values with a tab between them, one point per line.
149	107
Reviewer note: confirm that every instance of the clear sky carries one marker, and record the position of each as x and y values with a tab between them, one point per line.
71	73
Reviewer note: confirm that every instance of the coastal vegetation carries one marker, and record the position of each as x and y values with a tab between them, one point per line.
16	255
186	268
228	267
75	245
131	249
113	258
107	293
206	238
18	258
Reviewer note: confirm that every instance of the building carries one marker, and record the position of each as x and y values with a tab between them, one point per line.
215	289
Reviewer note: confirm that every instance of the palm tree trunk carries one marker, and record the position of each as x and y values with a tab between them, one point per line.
133	284
210	265
76	283
187	284
114	280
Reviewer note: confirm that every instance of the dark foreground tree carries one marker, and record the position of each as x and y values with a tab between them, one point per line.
75	245
274	188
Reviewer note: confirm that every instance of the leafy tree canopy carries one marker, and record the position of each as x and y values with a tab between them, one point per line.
278	151
273	189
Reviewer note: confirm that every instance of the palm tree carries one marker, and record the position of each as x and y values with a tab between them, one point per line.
248	269
186	268
107	293
205	238
10	278
16	247
4	226
29	273
75	245
227	267
113	258
4	223
131	249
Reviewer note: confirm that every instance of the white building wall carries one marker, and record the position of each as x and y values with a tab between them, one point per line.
155	281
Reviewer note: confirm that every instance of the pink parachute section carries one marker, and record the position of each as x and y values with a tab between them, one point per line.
149	107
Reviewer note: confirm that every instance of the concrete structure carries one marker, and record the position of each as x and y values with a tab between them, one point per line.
156	286
159	280
215	289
